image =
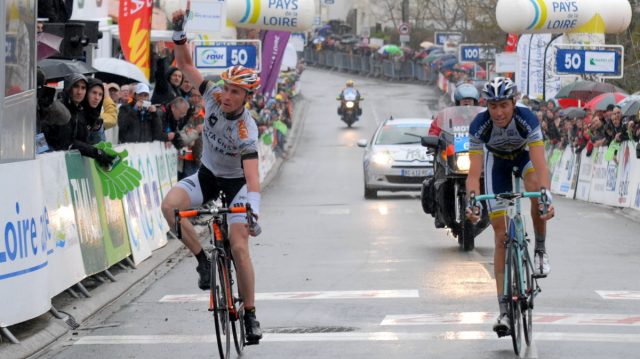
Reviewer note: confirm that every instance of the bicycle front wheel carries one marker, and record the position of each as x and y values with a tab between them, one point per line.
514	303
219	303
527	303
237	318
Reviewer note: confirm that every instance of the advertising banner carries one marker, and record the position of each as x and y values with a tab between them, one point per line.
584	177
23	246
63	244
171	157
164	178
137	224
114	227
134	23
85	205
598	175
291	16
144	196
274	44
627	166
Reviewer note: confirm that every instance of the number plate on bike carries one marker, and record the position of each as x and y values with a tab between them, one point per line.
416	172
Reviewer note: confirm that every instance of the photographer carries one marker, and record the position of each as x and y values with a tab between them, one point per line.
139	121
49	112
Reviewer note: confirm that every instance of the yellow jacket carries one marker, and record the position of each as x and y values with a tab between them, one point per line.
109	113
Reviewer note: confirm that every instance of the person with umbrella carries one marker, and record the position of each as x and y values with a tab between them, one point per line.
615	129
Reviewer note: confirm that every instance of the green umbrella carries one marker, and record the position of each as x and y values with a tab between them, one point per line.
391	49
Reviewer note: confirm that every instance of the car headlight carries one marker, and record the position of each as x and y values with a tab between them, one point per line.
462	162
382	158
350	104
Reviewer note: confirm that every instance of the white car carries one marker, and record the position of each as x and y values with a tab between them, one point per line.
394	159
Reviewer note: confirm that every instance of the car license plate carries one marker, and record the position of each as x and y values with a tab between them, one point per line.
415	172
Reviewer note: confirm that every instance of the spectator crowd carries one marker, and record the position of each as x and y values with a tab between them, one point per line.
87	111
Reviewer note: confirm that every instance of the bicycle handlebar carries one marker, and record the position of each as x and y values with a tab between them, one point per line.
510	196
178	214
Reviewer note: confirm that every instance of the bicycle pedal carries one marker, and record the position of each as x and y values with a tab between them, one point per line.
503	333
538	276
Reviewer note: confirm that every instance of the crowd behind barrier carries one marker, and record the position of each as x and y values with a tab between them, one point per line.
592	156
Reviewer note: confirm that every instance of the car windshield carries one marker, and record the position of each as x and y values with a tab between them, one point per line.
402	134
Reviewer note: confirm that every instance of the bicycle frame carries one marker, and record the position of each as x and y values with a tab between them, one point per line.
221	259
520	287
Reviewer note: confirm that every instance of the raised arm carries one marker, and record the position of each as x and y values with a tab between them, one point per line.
182	51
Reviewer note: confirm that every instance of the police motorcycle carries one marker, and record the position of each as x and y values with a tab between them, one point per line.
349	109
444	195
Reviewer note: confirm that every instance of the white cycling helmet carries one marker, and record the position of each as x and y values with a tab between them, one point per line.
466	91
498	89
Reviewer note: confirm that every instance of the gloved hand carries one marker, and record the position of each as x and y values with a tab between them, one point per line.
120	178
179	24
103	158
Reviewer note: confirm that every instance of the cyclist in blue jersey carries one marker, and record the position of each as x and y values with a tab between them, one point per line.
229	164
502	138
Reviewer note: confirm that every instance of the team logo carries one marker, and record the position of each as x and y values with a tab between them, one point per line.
242	130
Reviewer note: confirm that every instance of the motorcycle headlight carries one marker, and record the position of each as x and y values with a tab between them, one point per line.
382	158
462	162
350	104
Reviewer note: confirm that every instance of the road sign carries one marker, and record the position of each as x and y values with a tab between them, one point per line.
404	29
218	55
601	60
405	38
442	37
476	53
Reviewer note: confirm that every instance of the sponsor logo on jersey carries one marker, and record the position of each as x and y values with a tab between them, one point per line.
242	130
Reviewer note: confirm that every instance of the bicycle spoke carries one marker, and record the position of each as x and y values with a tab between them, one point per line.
514	303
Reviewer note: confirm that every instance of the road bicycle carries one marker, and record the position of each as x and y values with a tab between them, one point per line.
225	301
520	283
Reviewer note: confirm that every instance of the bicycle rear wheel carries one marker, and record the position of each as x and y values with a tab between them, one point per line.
218	303
527	304
237	320
514	303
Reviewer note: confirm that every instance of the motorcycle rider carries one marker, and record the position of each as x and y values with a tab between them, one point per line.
501	138
349	86
465	95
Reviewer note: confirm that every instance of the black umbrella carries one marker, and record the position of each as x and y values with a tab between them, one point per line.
573	112
586	90
57	69
631	108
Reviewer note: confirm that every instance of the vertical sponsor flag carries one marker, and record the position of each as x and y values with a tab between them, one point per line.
273	45
512	43
135	32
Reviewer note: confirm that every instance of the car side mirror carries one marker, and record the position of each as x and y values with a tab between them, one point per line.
362	143
429	141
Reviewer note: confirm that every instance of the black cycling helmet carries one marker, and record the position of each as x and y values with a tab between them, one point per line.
498	89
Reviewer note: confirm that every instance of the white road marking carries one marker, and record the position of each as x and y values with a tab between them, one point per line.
626	320
335	211
619	294
353	294
356	336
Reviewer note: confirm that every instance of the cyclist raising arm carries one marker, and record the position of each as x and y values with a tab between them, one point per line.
506	130
229	164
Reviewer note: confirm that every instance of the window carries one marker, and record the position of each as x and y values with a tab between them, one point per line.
20	46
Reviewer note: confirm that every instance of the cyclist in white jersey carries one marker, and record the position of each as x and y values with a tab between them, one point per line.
229	164
502	138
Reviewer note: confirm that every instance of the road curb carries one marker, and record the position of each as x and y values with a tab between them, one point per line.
39	333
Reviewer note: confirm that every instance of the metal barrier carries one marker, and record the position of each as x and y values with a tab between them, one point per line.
365	65
354	64
407	71
344	63
330	59
376	67
388	69
420	72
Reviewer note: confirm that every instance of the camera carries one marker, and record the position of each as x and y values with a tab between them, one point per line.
146	104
